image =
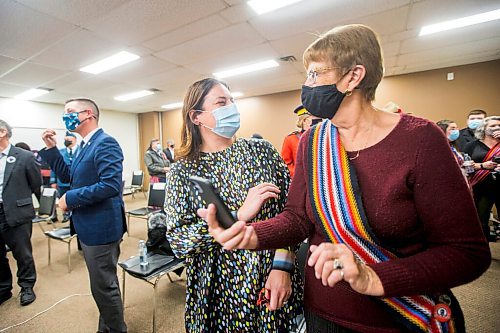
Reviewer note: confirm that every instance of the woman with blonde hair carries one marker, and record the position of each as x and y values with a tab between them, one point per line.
223	287
390	220
485	182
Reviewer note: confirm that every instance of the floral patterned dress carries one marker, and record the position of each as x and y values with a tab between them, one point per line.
223	286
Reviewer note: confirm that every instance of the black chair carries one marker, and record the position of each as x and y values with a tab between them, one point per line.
61	235
156	200
47	210
159	266
137	184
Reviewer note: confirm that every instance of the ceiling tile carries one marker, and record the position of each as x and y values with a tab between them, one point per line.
7	64
10	90
185	33
217	43
32	75
76	50
143	67
20	24
242	57
137	21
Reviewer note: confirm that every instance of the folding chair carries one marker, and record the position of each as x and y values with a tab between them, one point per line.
61	235
47	210
137	184
156	200
159	266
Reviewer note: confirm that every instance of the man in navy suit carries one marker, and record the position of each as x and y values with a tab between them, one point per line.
69	153
95	202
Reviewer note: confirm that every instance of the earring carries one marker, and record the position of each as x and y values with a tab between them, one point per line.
348	92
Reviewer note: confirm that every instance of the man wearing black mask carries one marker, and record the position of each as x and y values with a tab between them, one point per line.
69	154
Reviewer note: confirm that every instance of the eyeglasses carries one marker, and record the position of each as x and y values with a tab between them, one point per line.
312	75
76	112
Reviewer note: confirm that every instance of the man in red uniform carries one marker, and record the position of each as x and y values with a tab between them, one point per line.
291	142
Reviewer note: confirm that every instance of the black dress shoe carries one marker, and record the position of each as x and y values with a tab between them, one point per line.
27	296
5	297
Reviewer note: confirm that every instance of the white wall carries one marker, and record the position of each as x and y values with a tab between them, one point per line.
29	119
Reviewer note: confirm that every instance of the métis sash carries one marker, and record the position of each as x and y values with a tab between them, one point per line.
338	207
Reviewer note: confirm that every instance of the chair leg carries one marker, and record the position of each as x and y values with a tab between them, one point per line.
154	306
69	256
48	245
128	224
168	275
144	192
123	286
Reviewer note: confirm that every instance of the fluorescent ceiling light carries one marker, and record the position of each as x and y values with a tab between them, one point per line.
266	6
461	22
237	94
172	106
247	69
32	93
108	63
134	95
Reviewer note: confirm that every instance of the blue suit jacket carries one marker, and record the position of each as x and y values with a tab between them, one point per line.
95	197
69	161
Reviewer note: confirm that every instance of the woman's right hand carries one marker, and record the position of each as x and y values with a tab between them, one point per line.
238	236
489	165
256	197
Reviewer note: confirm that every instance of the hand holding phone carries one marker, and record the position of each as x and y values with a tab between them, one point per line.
209	195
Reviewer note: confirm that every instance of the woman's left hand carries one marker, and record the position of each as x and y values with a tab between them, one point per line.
335	262
278	289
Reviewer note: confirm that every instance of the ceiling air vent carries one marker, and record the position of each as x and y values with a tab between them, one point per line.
289	58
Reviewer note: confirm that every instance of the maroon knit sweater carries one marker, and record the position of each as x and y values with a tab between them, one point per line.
416	201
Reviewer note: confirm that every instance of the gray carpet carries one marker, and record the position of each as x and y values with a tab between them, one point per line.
480	299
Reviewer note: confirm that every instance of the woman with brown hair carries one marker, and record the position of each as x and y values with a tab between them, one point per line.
390	220
223	287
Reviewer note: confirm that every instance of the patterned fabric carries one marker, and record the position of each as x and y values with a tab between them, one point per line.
338	207
481	174
223	286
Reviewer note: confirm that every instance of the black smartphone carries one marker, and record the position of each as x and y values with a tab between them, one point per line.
209	195
496	159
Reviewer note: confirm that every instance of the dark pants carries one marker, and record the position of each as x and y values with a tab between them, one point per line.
101	263
19	241
316	324
484	204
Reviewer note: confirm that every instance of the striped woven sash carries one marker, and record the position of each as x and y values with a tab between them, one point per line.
338	207
481	175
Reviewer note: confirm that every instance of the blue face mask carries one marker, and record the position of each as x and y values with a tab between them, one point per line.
453	135
474	123
71	120
227	120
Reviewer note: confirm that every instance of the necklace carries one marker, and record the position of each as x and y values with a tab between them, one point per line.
364	147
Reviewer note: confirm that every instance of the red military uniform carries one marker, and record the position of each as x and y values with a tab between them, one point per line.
289	150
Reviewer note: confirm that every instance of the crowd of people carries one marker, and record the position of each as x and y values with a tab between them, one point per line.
385	248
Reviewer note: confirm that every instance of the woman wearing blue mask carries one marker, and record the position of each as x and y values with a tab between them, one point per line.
450	130
223	287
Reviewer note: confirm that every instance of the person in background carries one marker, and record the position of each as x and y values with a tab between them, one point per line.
257	136
169	151
96	204
485	182
386	247
223	287
156	161
19	179
474	119
291	142
450	130
23	145
68	153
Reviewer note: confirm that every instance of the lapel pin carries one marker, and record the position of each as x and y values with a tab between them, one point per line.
11	159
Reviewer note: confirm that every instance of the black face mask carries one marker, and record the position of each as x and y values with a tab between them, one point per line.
322	101
67	143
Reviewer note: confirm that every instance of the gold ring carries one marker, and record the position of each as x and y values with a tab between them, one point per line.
341	274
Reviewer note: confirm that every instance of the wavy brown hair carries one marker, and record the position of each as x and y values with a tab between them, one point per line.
193	100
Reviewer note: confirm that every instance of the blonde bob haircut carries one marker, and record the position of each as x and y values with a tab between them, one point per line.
480	131
302	118
347	46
